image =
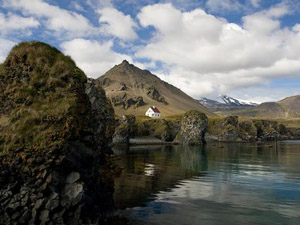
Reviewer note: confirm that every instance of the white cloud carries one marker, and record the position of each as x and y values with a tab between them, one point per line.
56	19
77	6
92	57
223	5
117	23
10	23
5	47
255	3
204	54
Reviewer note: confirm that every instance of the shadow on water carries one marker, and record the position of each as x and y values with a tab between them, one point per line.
147	170
256	183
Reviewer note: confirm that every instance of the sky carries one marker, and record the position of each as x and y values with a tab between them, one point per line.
248	49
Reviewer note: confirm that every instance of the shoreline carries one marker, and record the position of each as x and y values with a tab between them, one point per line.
138	141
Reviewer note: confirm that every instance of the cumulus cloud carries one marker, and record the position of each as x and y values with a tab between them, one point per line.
205	54
92	57
69	24
224	5
117	23
56	19
5	47
11	23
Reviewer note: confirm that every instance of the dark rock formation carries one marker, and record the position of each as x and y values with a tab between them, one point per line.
247	131
124	130
267	130
153	93
158	128
52	140
193	128
123	87
101	110
232	130
126	101
229	129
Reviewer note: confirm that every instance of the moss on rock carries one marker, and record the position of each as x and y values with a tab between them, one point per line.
52	136
193	128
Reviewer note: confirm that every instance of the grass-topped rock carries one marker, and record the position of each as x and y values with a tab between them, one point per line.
40	98
53	133
193	128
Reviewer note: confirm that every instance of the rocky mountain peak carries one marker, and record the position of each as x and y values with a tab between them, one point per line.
125	62
133	90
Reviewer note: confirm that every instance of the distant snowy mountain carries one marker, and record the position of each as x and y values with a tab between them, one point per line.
236	102
226	102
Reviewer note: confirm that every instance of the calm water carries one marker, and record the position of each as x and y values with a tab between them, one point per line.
219	184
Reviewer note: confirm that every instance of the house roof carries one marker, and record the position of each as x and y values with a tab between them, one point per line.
155	109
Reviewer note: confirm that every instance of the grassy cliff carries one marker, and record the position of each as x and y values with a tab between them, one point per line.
40	91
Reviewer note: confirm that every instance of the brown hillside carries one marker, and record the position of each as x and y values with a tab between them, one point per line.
291	106
133	91
286	108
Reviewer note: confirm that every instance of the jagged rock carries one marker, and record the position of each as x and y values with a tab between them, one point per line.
232	130
267	130
101	110
153	93
247	131
193	128
125	130
158	128
53	202
123	87
54	145
229	129
106	82
126	101
72	178
74	192
44	217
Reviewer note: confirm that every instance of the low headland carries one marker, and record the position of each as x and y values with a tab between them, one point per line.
142	130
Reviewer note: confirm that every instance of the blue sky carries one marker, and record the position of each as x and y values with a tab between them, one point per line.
249	49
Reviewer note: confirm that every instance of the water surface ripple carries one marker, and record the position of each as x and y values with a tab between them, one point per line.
217	184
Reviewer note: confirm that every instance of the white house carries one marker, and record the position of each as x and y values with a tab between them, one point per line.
153	112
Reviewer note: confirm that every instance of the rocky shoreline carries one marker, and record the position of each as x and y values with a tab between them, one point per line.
57	126
196	128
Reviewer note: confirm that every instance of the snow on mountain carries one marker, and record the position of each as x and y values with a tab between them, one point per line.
225	101
236	102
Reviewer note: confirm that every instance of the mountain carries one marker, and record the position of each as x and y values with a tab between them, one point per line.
234	102
286	108
225	102
133	91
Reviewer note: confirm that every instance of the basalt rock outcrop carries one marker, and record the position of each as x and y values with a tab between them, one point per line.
232	130
157	128
53	127
153	93
126	101
125	130
193	128
267	130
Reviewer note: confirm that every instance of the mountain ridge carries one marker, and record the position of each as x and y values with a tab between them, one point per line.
133	90
288	107
225	102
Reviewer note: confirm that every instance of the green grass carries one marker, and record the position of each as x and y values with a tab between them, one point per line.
175	117
42	88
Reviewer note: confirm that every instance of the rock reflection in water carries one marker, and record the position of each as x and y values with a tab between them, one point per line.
241	183
149	169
